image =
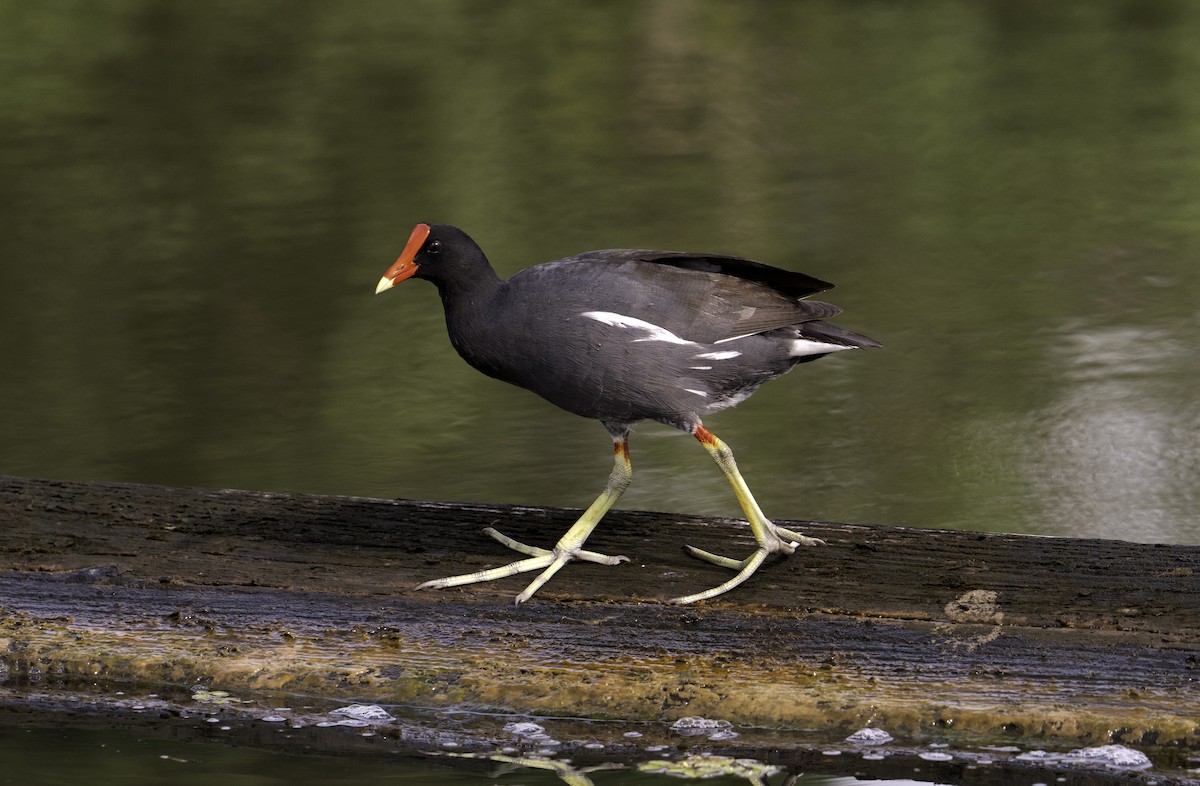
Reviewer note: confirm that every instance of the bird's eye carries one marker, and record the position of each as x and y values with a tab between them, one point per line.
435	247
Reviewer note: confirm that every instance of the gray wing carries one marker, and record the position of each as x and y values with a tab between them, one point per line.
698	297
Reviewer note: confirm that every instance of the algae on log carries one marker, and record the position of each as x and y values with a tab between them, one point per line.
916	630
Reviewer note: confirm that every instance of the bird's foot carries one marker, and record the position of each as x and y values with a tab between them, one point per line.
774	540
549	561
795	538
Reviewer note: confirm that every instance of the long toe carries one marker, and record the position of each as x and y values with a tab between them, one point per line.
716	559
750	565
603	559
546	560
502	572
543	577
515	545
796	538
561	556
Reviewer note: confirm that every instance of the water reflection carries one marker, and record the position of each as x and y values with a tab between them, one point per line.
1116	452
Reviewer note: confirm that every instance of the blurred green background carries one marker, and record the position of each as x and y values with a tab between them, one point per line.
198	199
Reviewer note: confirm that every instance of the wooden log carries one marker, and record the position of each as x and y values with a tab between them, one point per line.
919	631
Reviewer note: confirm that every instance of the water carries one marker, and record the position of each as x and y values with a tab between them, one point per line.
199	199
68	756
72	756
44	750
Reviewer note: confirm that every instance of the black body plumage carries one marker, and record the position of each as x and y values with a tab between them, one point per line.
623	335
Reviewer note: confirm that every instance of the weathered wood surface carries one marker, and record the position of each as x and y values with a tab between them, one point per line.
919	631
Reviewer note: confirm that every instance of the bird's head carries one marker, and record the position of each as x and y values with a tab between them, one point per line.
436	252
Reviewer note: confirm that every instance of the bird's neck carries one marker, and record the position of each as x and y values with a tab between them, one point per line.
474	317
469	289
468	298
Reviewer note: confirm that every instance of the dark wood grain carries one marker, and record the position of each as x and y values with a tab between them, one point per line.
915	629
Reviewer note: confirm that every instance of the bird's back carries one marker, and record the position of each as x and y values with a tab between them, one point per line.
704	298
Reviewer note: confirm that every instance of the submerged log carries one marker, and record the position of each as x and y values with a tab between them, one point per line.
920	631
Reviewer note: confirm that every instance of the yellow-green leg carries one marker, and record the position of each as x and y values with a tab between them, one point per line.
569	546
771	538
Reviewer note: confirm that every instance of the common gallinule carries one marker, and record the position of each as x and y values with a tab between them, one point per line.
626	335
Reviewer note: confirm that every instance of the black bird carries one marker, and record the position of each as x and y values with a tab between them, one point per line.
624	335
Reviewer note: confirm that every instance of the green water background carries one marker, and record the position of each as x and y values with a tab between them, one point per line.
198	198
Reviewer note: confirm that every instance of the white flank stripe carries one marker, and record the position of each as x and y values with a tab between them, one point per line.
653	332
701	368
700	393
726	355
734	338
802	347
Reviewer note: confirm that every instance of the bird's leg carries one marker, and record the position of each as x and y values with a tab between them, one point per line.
569	546
771	538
